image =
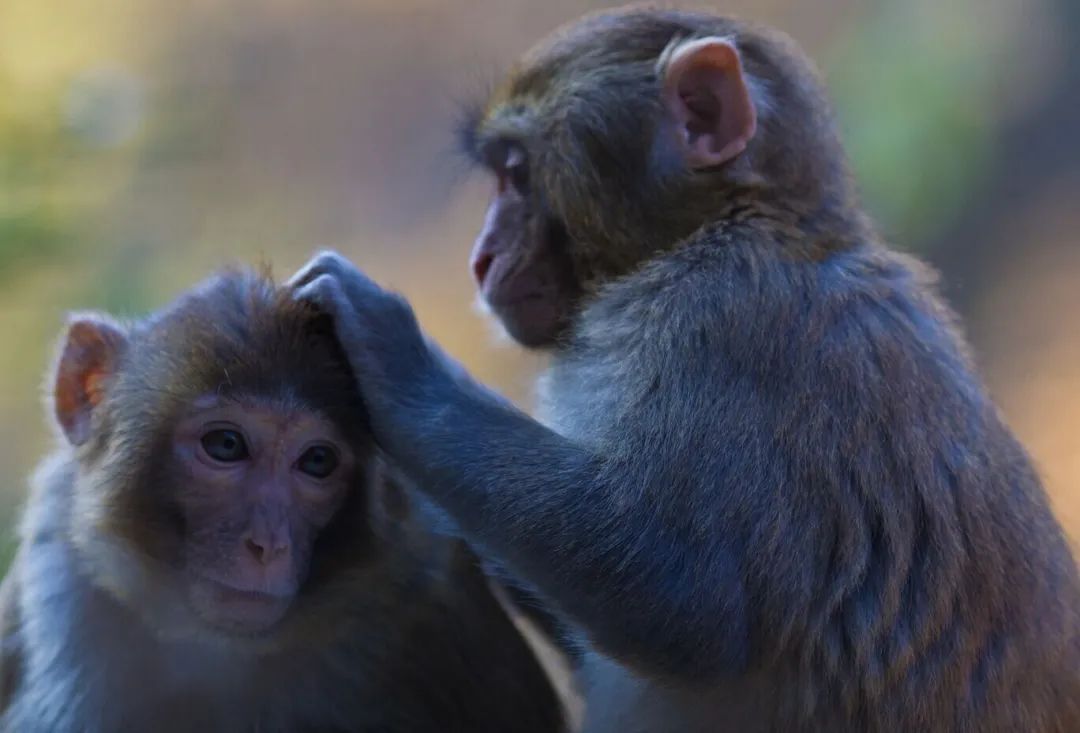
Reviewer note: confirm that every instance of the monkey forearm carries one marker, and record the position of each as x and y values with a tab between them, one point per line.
545	505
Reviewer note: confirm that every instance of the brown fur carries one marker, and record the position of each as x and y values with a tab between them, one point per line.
774	495
394	629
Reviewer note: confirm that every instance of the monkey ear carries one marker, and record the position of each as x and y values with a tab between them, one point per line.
89	353
706	93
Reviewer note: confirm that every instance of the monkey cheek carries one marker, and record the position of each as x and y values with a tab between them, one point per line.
531	296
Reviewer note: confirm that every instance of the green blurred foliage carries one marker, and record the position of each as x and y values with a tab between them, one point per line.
914	89
31	221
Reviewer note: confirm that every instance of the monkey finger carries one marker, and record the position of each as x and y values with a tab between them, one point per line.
325	293
357	285
323	262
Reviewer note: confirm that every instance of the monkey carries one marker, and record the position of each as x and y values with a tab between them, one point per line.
218	545
765	485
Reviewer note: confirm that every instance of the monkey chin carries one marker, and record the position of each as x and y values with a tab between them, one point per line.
234	612
532	322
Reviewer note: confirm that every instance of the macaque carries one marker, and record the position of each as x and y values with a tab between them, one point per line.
218	545
765	484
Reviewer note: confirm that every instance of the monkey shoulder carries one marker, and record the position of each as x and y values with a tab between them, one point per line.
716	311
747	309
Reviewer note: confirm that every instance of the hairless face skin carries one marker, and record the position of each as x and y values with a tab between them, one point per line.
260	483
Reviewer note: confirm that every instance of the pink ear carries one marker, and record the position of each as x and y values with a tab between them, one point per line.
88	356
706	93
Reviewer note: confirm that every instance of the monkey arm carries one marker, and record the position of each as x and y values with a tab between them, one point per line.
645	588
602	530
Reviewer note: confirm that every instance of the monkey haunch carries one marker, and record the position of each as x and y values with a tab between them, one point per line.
218	547
770	491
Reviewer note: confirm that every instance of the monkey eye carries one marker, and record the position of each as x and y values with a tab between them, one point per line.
227	446
511	167
318	461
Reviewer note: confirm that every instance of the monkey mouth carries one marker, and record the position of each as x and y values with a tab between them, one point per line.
237	610
516	301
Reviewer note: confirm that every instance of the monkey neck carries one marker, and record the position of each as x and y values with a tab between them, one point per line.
798	227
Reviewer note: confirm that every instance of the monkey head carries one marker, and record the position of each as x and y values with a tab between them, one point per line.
220	466
624	133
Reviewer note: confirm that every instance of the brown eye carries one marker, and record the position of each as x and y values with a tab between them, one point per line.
223	445
318	461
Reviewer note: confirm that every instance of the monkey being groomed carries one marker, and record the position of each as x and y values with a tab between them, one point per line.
767	490
217	545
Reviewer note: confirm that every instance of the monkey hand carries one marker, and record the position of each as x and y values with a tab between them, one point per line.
396	365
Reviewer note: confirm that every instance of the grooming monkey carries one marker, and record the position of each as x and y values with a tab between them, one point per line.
218	546
766	488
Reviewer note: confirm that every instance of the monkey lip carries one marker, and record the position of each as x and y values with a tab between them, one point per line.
237	610
531	305
497	300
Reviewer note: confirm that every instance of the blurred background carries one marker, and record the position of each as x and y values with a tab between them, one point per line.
144	143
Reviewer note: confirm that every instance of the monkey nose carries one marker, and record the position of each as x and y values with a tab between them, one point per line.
481	264
265	552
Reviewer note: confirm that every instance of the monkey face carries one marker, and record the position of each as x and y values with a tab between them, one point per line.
606	152
222	457
520	260
255	484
